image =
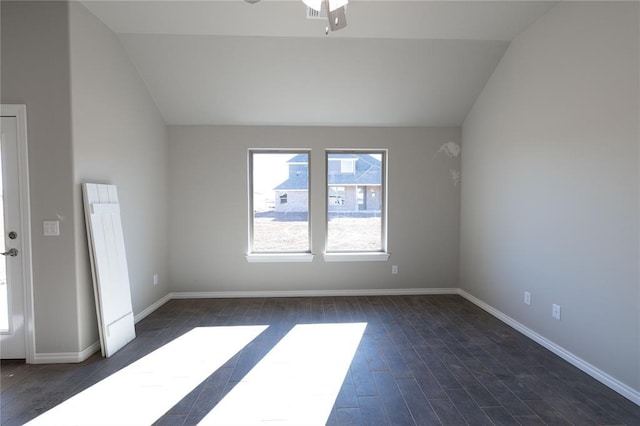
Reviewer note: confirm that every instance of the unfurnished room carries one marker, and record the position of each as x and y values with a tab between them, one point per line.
320	212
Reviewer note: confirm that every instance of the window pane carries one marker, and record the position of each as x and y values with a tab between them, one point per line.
355	204
280	201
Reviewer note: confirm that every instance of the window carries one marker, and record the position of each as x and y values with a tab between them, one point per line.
356	202
336	195
279	204
347	165
279	200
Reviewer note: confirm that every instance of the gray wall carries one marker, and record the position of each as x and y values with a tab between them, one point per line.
89	116
119	138
550	184
209	210
35	72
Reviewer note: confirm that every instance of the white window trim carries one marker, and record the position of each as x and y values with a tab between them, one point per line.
279	257
265	257
357	257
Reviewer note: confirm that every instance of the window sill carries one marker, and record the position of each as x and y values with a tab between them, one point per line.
356	257
279	257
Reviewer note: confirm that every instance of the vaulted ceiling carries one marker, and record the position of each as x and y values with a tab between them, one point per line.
398	63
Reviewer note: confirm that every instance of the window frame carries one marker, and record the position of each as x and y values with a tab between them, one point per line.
381	254
254	256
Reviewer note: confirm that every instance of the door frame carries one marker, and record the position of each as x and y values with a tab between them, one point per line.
20	113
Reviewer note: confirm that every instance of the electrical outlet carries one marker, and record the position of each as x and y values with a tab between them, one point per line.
394	269
527	298
555	311
155	279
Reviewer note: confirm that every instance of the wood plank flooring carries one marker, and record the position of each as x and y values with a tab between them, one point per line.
423	360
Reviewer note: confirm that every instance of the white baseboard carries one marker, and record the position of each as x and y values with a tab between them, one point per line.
611	382
150	309
311	293
66	357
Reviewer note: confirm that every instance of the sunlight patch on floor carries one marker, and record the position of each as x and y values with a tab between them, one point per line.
297	382
142	392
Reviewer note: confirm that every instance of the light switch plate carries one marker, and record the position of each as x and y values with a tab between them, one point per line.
555	311
51	228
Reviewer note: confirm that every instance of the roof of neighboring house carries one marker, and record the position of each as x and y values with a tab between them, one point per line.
368	172
300	158
299	182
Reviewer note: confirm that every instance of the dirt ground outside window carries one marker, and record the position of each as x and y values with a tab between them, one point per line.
345	233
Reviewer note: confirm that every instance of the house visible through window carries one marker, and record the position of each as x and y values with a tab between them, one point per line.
336	195
279	202
279	228
356	201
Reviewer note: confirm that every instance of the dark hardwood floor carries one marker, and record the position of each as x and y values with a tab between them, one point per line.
423	360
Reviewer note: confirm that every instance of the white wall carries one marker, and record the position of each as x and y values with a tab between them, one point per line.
120	138
209	210
35	72
551	184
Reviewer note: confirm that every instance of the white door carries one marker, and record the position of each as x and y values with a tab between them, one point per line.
12	315
109	267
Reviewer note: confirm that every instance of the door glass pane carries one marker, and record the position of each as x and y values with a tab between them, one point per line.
4	300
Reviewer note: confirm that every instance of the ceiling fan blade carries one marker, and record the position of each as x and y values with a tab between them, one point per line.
337	19
314	4
336	4
336	11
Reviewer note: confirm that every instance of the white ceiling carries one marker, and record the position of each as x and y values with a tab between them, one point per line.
398	63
